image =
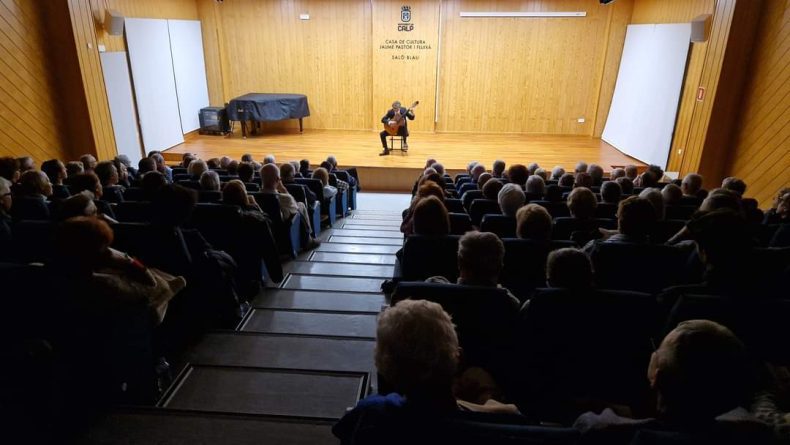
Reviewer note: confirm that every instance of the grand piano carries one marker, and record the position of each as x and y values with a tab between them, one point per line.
262	107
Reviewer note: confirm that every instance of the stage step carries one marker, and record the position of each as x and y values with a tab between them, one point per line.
339	270
368	233
172	427
283	351
357	248
366	240
352	258
342	284
320	301
310	323
371	222
321	395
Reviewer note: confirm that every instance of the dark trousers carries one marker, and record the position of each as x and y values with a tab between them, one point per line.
384	134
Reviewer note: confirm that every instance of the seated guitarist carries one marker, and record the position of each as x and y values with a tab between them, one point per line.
402	131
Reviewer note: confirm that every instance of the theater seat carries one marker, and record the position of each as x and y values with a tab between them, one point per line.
503	226
287	234
133	211
428	256
580	230
298	191
209	196
30	208
638	267
484	317
606	210
679	211
525	264
557	209
482	207
584	345
460	223
470	196
33	241
156	246
454	205
316	187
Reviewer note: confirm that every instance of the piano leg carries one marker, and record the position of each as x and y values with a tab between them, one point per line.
243	129
301	129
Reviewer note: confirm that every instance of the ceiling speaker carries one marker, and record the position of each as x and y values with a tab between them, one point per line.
113	22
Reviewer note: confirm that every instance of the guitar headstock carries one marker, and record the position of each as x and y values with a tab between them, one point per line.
414	105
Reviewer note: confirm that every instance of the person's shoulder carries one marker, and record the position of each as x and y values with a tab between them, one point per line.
608	420
371	414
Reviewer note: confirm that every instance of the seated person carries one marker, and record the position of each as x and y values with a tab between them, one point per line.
626	184
431	217
429	188
635	220
654	196
533	222
304	168
33	184
56	172
209	181
518	174
88	162
510	199
617	173
535	187
246	174
596	173
196	169
671	194
480	260
701	375
108	176
566	180
417	353
151	183
631	172
271	184
81	204
235	193
569	268
332	160
144	166
90	182
734	184
611	192
583	179
288	176
491	189
498	169
691	185
780	212
123	173
582	203
553	193
557	172
323	175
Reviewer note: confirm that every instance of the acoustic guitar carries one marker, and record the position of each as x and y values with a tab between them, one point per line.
392	126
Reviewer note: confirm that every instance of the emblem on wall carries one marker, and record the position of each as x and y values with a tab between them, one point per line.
405	18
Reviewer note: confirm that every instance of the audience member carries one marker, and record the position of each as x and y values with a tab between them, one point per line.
581	167
108	177
246	173
235	193
654	196
88	162
56	172
553	193
80	204
426	189
269	159
196	168
144	166
213	163
247	157
518	174
431	217
151	183
583	179
672	194
477	170
304	168
323	175
557	172
542	174
691	185
657	171
510	199
626	185
232	168
9	171
618	172
209	181
646	180
701	375
533	222
481	181
498	169
631	172
187	159
123	159
535	187
26	163
532	168
34	184
271	184
491	189
582	203
225	160
734	184
123	173
780	212
596	173
611	192
439	168
569	268
566	180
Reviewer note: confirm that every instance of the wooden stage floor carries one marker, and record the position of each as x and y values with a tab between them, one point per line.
397	171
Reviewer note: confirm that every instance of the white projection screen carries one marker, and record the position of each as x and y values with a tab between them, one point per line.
122	112
644	107
154	86
189	67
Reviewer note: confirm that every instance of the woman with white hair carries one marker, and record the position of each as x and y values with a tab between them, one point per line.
196	168
209	181
510	199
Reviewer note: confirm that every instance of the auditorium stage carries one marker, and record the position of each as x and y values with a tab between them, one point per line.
397	171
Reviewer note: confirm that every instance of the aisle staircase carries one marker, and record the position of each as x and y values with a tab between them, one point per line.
300	357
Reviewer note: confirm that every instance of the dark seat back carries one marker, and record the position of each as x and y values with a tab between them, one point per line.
33	241
503	226
156	246
665	229
638	267
454	205
30	208
209	196
557	209
606	210
460	223
588	344
428	256
470	196
133	194
482	207
216	222
133	211
484	316
679	211
525	264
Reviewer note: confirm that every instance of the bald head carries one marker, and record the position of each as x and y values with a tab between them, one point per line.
270	176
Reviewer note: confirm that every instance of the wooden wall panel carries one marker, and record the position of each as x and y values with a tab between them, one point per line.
534	75
29	124
761	150
264	47
406	74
